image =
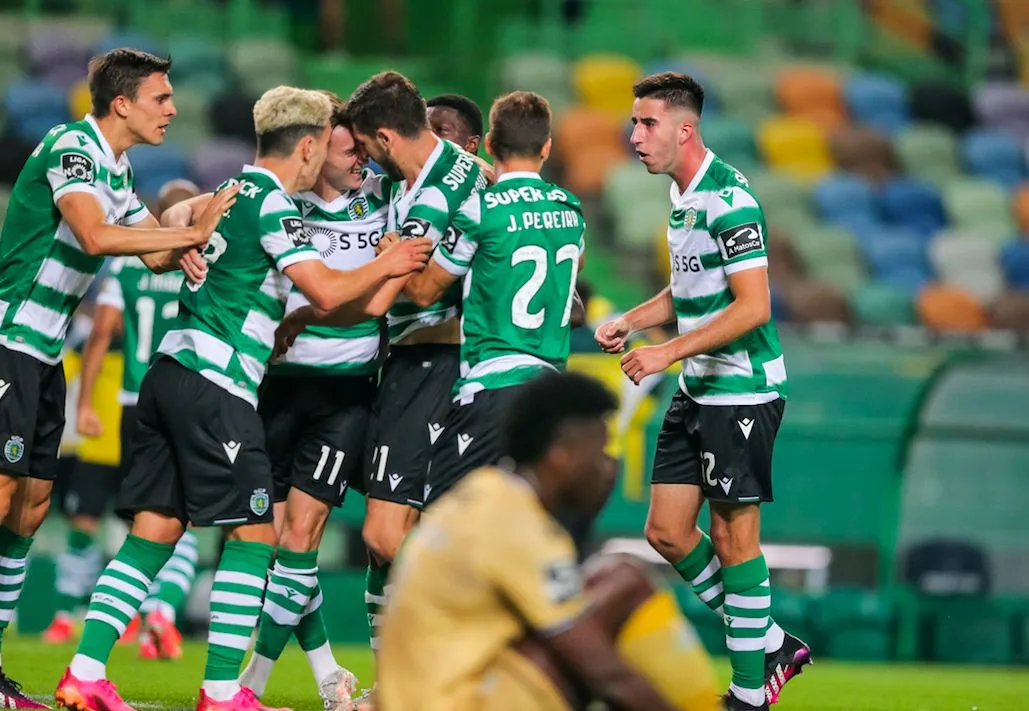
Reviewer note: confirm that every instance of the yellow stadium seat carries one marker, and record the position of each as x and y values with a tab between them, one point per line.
605	82
79	102
662	262
796	146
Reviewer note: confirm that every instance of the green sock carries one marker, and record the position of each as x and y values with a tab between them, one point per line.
703	572
173	583
748	600
311	631
292	582
375	598
121	589
78	568
236	594
14	550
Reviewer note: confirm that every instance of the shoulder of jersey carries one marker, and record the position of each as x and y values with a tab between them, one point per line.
72	135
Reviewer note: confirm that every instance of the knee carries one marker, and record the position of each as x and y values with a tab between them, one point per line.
32	517
722	539
383	537
672	542
297	537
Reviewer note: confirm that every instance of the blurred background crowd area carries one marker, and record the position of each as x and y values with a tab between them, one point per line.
886	140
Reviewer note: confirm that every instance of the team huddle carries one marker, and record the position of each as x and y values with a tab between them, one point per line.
312	327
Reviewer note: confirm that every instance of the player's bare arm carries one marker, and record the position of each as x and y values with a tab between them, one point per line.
656	311
586	650
106	321
86	219
751	307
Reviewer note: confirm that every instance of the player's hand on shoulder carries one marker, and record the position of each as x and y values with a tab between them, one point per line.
386	241
216	208
646	360
611	336
88	423
409	255
193	265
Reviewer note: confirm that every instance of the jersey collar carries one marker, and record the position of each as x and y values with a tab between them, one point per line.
519	175
429	164
247	168
701	172
101	140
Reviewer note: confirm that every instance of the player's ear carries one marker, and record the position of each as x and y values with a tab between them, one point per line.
473	145
385	137
489	145
545	153
120	106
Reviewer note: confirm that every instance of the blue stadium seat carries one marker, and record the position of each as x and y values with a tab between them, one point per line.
1014	260
877	101
153	166
995	155
841	196
913	204
34	107
909	279
894	250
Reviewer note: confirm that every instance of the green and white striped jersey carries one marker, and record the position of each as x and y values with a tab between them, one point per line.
426	210
226	324
517	244
149	303
345	232
44	273
717	228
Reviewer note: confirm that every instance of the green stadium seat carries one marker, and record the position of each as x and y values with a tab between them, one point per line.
637	203
928	152
990	395
785	201
191	125
883	305
979	207
545	73
731	139
743	91
831	255
855	624
263	64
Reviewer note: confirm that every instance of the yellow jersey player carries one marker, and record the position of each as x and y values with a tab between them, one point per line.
489	609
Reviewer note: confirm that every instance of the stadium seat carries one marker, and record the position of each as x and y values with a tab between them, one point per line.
191	124
64	75
712	105
796	146
261	64
219	159
969	262
153	166
1020	207
1010	311
743	93
877	101
48	47
894	249
994	155
1014	260
785	201
231	115
586	169
604	82
912	204
815	301
731	139
999	104
944	307
855	623
942	103
841	195
637	203
195	55
33	108
80	102
928	152
580	128
813	93
907	280
979	207
881	304
864	152
135	39
831	255
547	74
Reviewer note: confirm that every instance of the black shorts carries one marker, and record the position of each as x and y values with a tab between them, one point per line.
726	450
316	427
129	420
198	453
470	439
414	394
92	489
32	395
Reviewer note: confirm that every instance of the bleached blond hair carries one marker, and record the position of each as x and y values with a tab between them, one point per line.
285	114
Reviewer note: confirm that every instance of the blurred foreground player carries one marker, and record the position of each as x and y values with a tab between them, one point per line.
490	622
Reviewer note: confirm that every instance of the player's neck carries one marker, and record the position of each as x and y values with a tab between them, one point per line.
548	498
326	191
693	157
116	133
421	149
284	169
517	165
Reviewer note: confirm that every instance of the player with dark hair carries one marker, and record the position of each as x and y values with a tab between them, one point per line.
456	118
432	178
717	438
73	204
504	622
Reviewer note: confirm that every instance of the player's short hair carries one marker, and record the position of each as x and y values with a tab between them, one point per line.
537	415
119	73
519	124
467	109
285	114
337	117
673	88
387	100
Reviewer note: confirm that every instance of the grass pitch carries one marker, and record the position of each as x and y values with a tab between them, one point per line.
826	686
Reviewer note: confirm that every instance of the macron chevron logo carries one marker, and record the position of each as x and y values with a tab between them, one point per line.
746	424
231	450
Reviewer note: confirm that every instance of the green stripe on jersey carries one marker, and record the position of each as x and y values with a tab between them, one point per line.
426	209
717	228
226	325
345	232
43	271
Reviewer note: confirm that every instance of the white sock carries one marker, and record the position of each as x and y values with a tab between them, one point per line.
323	664
754	697
221	690
257	673
87	669
165	609
774	638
